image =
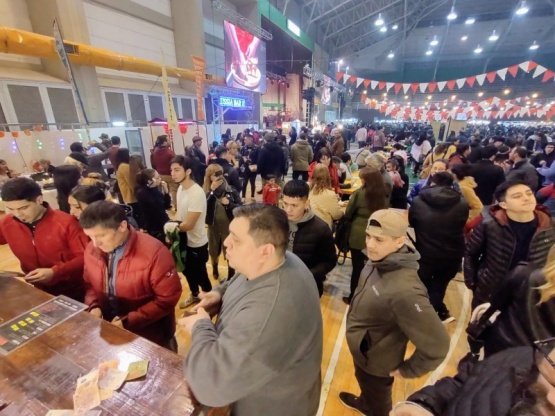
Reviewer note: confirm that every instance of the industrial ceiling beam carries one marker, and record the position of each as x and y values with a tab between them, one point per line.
329	11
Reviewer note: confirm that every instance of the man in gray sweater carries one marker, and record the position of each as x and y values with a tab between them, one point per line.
263	355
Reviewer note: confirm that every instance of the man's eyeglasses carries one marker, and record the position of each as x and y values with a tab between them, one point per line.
545	346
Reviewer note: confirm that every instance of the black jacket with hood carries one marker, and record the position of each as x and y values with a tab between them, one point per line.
271	160
231	174
438	215
214	197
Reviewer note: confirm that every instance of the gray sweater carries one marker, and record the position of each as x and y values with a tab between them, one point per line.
263	355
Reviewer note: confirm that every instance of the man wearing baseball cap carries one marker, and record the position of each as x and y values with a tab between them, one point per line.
390	307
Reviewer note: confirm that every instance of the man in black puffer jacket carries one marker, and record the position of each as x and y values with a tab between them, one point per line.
310	238
519	231
438	215
271	160
507	383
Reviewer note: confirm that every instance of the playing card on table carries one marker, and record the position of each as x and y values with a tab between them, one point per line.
86	394
137	369
112	379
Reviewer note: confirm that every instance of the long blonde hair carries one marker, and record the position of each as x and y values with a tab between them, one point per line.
211	170
321	179
547	291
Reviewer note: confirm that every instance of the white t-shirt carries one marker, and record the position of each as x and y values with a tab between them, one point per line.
193	200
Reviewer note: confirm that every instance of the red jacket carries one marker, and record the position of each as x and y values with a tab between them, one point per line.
58	242
270	194
147	286
160	160
334	176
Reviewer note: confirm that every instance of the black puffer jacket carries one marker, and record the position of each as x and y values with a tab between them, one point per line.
438	215
523	319
231	174
313	243
488	177
490	248
213	197
271	160
485	388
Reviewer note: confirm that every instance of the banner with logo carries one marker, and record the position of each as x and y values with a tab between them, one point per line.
199	65
171	116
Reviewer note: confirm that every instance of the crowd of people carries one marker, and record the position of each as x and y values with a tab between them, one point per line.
124	231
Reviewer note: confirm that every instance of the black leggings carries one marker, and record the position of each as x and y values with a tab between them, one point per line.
359	261
250	177
302	173
195	269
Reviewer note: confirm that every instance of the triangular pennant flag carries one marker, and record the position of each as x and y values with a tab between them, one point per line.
381	85
432	86
389	85
366	83
490	100
548	75
345	78
491	76
338	76
397	87
414	87
460	82
359	81
353	79
451	85
531	65
539	70
373	84
470	81
406	88
524	66
513	70
481	78
423	86
441	85
502	73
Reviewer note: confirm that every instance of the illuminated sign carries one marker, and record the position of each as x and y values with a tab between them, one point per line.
233	102
293	28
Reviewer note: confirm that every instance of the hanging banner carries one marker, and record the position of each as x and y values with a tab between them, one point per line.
199	65
58	40
171	116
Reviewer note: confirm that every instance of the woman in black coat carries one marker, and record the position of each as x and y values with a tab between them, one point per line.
66	177
153	199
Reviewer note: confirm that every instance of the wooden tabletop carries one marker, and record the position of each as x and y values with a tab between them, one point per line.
42	374
355	184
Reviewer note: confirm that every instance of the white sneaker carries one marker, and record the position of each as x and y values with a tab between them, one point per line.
189	301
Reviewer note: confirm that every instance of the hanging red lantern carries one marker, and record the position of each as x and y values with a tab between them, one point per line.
27	132
38	127
15	134
183	128
2	134
166	128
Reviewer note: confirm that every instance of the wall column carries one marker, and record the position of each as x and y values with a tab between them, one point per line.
73	24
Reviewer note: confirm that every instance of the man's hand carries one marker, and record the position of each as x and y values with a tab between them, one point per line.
40	276
405	409
117	322
96	312
189	322
211	302
395	373
224	201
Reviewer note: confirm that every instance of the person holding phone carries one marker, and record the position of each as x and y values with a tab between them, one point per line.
221	200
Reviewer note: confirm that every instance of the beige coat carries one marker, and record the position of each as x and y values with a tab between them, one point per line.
326	206
467	186
301	155
126	187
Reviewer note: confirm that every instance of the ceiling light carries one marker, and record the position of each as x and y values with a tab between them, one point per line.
478	49
426	102
380	21
464	38
365	92
429	97
406	97
528	102
522	9
383	29
391	55
507	91
434	41
453	97
534	46
470	21
395	27
408	103
385	94
494	36
535	95
480	94
340	62
452	15
429	52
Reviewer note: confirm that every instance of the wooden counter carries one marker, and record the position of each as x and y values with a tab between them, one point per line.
42	374
355	184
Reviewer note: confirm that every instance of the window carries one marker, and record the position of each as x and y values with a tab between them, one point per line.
116	106
27	104
187	107
175	107
156	106
2	116
137	107
63	105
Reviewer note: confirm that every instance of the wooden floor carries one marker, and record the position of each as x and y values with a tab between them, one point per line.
337	365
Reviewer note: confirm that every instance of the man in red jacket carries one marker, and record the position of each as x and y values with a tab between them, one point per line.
49	244
130	276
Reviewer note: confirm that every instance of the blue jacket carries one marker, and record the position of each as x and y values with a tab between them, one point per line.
548	173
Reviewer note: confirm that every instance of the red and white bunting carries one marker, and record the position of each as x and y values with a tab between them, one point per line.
481	78
539	70
359	81
502	73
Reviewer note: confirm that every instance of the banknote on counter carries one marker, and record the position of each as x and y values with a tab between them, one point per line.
86	394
